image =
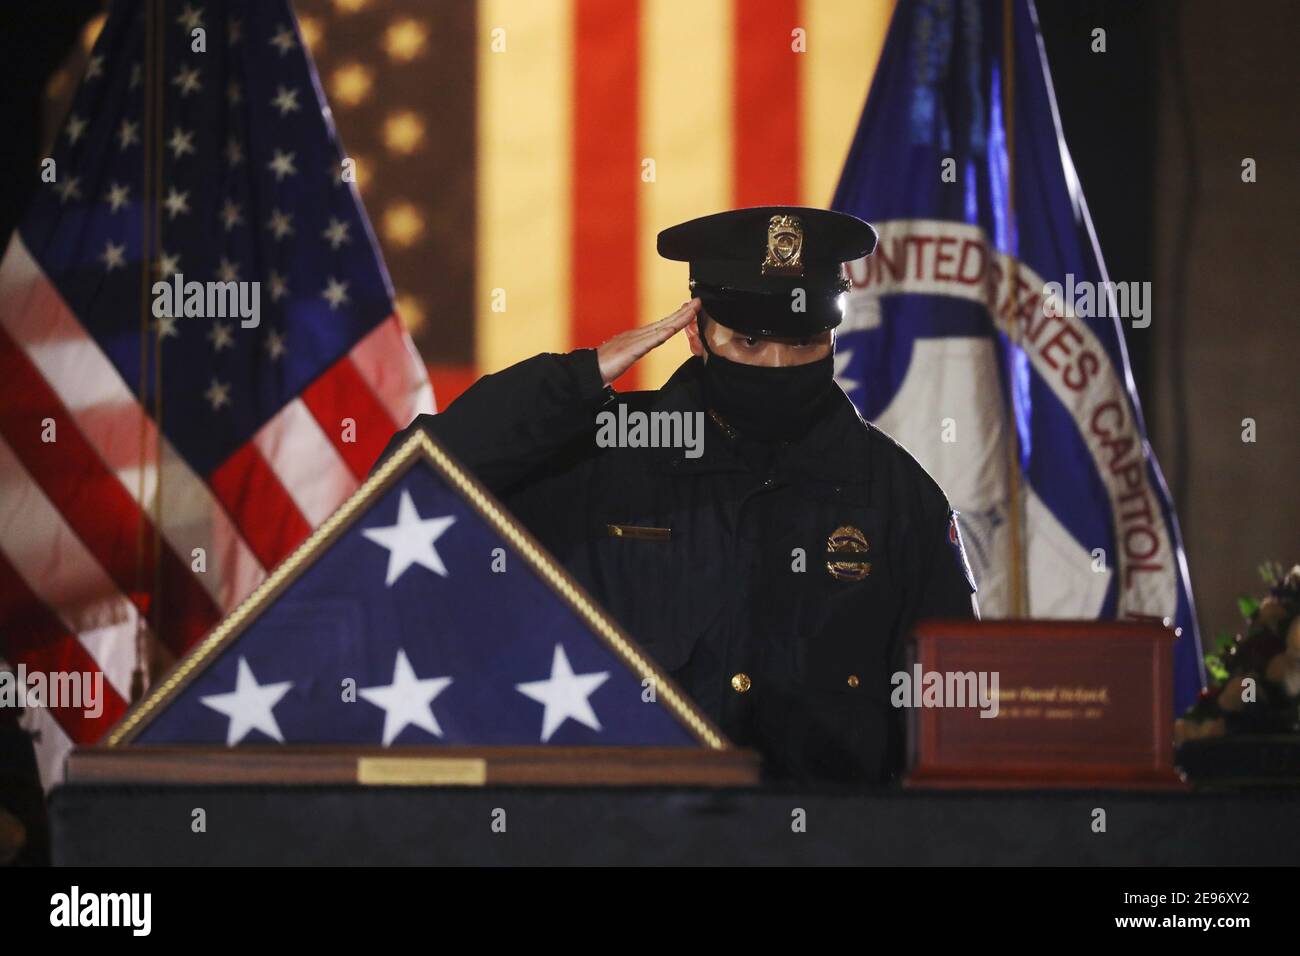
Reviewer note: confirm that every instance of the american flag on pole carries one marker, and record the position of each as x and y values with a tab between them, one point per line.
156	465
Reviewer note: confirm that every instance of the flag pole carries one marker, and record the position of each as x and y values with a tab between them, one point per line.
151	223
158	90
1019	603
138	677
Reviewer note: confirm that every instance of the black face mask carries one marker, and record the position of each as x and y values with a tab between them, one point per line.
769	404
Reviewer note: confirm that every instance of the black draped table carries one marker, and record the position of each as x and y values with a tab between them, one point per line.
96	824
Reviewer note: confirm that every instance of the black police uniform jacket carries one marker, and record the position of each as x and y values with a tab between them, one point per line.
717	565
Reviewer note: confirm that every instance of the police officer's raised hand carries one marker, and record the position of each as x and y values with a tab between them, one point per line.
619	354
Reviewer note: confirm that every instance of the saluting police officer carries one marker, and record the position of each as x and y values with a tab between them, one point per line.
775	572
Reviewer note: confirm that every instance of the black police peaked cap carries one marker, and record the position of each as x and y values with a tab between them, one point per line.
746	265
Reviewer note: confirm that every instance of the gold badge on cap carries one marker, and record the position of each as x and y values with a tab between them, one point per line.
784	246
847	540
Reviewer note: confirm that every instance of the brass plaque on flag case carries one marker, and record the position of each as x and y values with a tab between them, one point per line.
421	771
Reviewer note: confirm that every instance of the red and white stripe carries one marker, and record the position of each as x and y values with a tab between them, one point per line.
73	510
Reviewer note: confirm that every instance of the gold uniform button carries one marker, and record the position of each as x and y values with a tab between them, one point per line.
853	680
741	683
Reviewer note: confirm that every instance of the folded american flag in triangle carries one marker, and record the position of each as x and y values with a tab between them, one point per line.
419	614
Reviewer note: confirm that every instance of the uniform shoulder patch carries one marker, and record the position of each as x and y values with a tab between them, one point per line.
959	549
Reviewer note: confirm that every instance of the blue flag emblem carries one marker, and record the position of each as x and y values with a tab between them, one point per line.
986	335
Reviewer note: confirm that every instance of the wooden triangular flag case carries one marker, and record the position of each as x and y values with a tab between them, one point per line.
420	635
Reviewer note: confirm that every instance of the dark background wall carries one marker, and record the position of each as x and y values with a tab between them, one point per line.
1108	104
34	39
1159	126
1226	284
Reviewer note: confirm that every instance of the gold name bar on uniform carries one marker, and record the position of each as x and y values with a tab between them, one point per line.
638	531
